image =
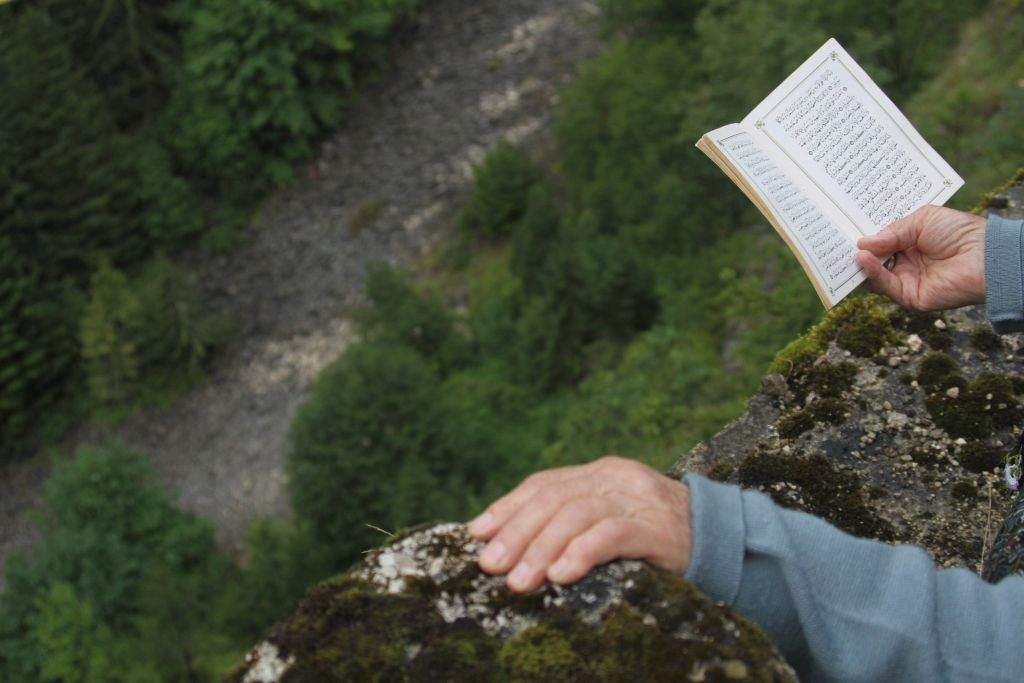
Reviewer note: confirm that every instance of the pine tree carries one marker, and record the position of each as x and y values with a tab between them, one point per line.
73	185
37	348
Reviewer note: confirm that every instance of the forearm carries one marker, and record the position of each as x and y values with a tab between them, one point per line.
842	608
1004	274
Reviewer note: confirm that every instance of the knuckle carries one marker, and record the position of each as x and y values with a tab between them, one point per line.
546	497
617	530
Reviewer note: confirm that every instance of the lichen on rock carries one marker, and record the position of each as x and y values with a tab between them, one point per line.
420	609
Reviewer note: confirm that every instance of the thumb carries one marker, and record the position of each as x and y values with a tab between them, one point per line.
898	236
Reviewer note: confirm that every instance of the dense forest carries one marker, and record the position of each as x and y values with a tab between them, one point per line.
615	295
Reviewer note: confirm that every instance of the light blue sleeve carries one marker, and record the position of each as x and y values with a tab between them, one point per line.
1004	274
847	609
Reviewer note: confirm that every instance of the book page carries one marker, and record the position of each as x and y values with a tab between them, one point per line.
832	121
822	241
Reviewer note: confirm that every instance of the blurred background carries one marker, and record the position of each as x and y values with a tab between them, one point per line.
279	277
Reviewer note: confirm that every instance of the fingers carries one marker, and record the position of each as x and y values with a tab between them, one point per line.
507	547
574	518
611	538
882	280
898	236
491	520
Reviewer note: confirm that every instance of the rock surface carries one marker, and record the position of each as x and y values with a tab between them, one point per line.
889	424
420	609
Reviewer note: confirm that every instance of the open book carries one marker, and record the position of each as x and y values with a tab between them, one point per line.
828	158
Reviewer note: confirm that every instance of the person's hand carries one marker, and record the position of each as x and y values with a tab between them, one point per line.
940	259
560	523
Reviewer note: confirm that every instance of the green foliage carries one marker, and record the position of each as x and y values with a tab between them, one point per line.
106	526
284	561
110	328
141	337
177	332
71	181
972	111
646	17
74	646
501	189
261	81
37	348
372	412
398	314
128	47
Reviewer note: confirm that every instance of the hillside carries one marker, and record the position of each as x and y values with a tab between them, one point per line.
857	426
383	188
282	278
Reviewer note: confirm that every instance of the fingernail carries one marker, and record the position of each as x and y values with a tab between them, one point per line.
481	524
559	571
494	553
520	577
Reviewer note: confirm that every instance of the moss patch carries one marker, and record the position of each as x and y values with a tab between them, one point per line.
985	404
978	457
860	325
794	424
924	326
821	489
939	371
542	653
828	410
964	490
985	340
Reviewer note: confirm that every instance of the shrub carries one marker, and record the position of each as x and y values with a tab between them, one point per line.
501	189
650	16
285	561
534	238
106	524
365	449
177	332
262	80
396	313
73	645
110	331
143	337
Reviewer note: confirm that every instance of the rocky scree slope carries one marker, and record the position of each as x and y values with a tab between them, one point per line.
420	609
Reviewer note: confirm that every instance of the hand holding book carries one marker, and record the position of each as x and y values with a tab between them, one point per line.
828	159
939	259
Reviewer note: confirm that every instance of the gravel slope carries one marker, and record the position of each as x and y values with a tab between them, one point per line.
467	74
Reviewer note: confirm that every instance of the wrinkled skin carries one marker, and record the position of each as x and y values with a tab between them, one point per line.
560	523
940	259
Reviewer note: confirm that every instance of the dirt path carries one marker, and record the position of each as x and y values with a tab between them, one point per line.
470	73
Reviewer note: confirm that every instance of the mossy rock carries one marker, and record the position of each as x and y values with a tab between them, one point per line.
984	339
420	609
813	484
985	404
932	328
861	325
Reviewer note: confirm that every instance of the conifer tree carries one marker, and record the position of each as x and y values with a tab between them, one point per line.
73	188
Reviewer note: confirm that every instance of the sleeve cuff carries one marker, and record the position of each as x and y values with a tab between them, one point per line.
719	534
1004	274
